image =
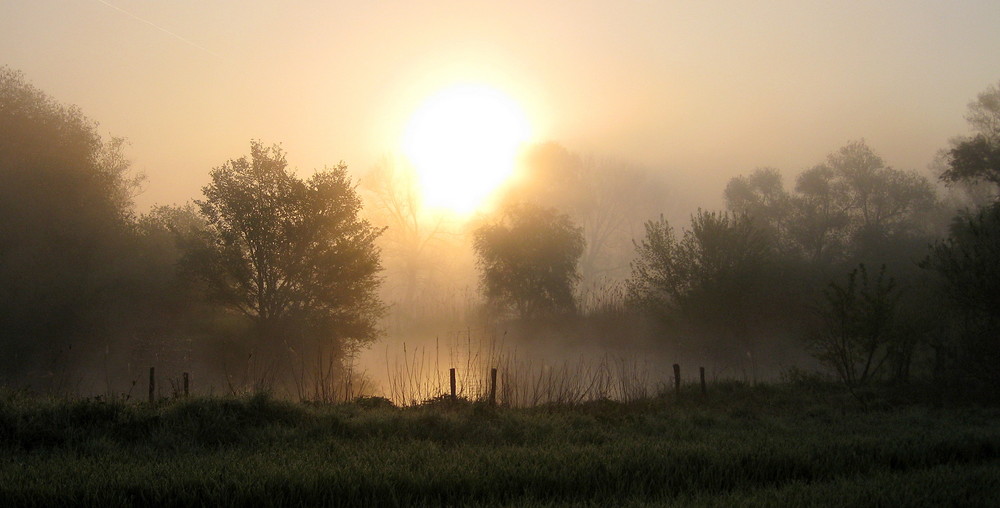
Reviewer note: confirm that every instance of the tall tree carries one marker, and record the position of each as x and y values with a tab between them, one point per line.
761	196
976	158
292	255
528	260
65	226
820	215
851	206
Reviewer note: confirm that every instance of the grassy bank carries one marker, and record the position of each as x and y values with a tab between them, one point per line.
768	445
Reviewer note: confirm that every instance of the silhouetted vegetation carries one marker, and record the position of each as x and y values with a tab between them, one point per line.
294	257
71	267
882	321
528	261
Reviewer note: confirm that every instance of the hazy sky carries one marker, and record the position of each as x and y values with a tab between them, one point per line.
699	90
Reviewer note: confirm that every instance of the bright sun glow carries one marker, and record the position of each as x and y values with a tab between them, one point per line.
463	142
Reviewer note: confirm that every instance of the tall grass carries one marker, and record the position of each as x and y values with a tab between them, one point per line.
421	374
777	446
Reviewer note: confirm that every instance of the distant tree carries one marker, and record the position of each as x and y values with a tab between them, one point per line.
976	158
528	260
293	256
761	196
984	114
852	206
820	215
857	333
711	282
414	239
660	275
609	199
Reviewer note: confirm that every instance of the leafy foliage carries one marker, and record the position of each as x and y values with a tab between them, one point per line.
857	334
711	282
851	207
975	159
968	265
294	256
68	262
528	260
714	256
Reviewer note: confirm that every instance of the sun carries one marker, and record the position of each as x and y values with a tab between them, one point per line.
463	142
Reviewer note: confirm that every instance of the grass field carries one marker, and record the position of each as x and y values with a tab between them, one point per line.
778	445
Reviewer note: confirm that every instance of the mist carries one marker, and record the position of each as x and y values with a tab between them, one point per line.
722	129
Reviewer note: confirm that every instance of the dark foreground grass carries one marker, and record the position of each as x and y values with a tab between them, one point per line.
771	446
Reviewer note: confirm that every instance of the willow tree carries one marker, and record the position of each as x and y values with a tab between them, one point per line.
292	255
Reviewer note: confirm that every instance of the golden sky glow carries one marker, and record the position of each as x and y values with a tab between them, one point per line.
696	91
463	142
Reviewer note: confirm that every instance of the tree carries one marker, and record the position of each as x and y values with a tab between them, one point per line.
820	215
857	335
415	240
761	196
967	264
711	283
852	206
528	260
977	158
291	255
660	276
66	228
984	114
609	199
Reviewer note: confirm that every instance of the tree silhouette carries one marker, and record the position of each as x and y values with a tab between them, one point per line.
976	158
65	228
294	256
968	264
528	260
708	272
851	206
857	333
414	239
608	198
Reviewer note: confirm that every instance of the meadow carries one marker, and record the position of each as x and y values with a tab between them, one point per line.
783	444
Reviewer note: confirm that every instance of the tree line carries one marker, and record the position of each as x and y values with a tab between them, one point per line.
271	276
880	274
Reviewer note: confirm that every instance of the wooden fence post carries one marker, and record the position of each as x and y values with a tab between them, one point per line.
701	372
152	384
452	374
677	379
493	387
185	384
